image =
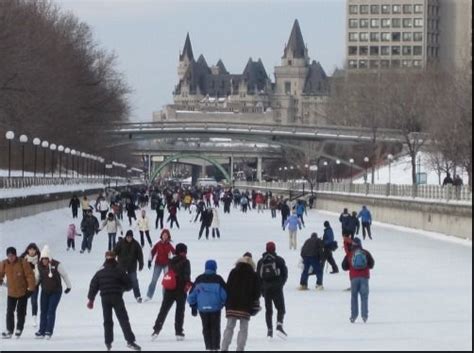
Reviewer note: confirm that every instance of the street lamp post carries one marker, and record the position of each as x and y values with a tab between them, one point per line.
67	151
390	160
326	165
74	165
366	161
45	145
36	143
10	135
351	161
23	140
60	151
53	148
338	171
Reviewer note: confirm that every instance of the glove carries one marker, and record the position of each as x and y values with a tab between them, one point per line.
67	290
149	265
90	305
194	311
29	293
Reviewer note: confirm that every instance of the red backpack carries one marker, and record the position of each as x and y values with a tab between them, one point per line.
169	280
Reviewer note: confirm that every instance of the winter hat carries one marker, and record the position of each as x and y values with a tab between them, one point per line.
248	254
181	249
165	231
129	233
271	247
110	215
211	265
357	243
247	259
45	253
11	251
327	224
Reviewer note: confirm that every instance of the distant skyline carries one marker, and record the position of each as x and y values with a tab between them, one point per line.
147	36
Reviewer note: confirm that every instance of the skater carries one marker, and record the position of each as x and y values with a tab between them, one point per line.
71	237
285	213
273	207
32	256
206	222
51	272
176	283
312	253
21	285
260	202
102	206
161	253
354	227
358	262
74	205
89	227
130	256
243	295
346	223
112	281
173	217
216	224
330	245
273	274
130	207
244	202
113	225
300	211
227	203
85	206
293	223
160	213
208	297
144	228
366	219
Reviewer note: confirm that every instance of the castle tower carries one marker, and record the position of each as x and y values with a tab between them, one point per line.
185	58
296	53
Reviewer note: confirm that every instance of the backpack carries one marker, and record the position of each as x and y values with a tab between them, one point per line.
359	260
269	270
169	280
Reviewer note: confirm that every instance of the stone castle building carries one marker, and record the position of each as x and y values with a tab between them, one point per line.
297	96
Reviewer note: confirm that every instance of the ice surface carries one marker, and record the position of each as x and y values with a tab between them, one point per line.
421	289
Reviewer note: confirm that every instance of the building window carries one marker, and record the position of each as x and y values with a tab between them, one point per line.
418	36
397	9
375	23
396	22
396	64
386	22
353	9
364	9
375	9
407	23
407	50
386	37
419	8
375	37
418	50
406	63
353	23
396	36
374	64
386	9
352	50
363	64
374	51
364	36
364	23
352	64
385	50
407	9
385	64
288	87
364	51
353	37
418	22
407	36
396	51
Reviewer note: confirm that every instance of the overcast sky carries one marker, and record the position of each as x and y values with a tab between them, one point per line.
147	36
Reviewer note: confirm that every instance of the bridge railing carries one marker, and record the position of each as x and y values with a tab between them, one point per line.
421	192
19	182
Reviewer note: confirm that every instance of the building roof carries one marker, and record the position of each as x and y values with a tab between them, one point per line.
296	43
317	82
187	50
221	67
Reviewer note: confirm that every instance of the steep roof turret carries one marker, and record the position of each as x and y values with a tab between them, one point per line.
187	50
296	43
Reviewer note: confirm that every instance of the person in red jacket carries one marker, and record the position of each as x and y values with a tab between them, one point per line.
161	252
260	201
358	262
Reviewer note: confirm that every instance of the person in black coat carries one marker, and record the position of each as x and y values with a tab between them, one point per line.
130	207
181	268
130	256
346	222
285	213
74	204
354	225
206	222
89	227
312	253
112	281
273	274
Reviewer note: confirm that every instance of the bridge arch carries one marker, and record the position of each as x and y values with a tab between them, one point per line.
178	156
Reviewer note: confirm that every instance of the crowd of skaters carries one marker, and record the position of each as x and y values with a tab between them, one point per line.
209	294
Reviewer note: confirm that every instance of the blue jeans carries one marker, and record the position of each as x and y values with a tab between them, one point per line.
310	261
136	288
156	275
49	304
112	241
360	286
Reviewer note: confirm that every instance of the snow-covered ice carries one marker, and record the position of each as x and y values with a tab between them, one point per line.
421	290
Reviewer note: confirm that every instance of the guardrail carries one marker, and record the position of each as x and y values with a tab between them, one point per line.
424	192
19	182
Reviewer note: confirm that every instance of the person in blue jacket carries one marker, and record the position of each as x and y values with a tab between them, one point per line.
208	297
330	245
293	223
300	211
366	219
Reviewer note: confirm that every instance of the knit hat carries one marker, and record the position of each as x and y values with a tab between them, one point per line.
211	265
248	254
181	249
46	253
357	243
327	224
271	247
11	251
129	233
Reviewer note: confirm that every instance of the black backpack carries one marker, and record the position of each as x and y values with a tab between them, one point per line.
269	270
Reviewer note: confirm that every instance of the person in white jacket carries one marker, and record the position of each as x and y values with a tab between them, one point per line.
102	206
144	229
216	224
113	225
